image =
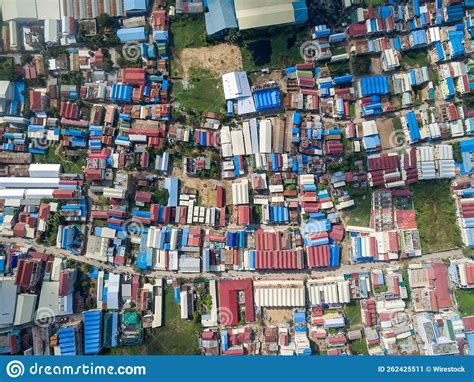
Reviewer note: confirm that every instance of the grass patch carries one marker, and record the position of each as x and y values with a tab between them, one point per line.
55	154
457	154
361	65
359	215
359	347
435	77
339	68
414	58
176	337
406	281
203	93
247	60
188	33
284	49
7	69
375	3
436	216
352	313
465	300
397	124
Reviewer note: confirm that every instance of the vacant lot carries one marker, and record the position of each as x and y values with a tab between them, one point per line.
387	134
55	154
201	92
176	337
188	33
435	216
359	215
359	347
353	314
278	50
278	316
465	300
414	58
7	69
222	58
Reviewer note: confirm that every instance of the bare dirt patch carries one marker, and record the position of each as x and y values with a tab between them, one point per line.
386	132
220	59
376	64
278	316
206	187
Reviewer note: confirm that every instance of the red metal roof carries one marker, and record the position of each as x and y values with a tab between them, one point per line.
35	101
220	196
468	324
134	76
442	295
141	196
357	30
228	302
406	219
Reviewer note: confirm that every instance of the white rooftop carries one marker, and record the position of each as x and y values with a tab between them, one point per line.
236	85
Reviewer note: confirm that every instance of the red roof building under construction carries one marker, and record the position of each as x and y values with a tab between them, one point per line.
229	302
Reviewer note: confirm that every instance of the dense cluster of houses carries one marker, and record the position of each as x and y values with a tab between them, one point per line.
93	164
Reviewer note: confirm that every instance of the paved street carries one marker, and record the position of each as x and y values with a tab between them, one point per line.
294	275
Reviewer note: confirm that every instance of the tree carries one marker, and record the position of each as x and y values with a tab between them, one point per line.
105	20
161	197
196	317
26	58
113	40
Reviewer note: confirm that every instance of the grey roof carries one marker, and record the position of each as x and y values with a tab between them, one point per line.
8	291
25	308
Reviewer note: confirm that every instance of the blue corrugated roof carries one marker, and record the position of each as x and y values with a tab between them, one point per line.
135	5
220	16
172	185
301	12
267	99
131	34
373	85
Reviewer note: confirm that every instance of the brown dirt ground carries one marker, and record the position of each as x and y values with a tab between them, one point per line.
220	59
386	131
206	187
376	65
278	316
